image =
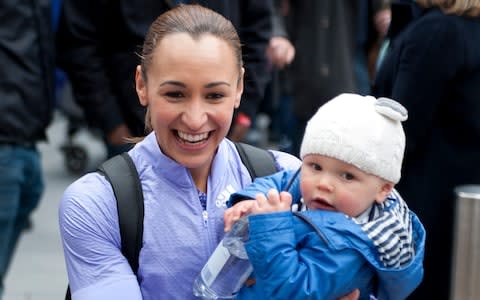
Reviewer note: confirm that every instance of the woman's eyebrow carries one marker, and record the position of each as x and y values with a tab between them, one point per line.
183	85
216	83
173	82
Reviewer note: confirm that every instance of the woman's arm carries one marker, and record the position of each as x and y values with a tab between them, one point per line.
91	242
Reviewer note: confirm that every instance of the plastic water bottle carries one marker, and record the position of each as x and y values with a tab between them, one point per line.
228	267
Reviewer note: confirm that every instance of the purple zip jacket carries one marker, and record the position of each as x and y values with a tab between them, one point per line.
179	236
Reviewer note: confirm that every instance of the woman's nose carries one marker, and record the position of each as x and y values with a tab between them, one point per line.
195	115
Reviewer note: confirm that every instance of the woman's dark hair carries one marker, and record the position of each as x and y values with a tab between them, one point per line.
195	20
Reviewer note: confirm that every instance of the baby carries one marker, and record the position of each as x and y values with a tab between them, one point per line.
353	229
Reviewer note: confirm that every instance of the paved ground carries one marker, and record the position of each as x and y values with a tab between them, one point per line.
38	271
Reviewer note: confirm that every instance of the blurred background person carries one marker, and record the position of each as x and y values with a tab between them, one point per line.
26	106
98	42
276	108
332	39
432	67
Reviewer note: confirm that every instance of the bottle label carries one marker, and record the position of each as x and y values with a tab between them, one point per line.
215	264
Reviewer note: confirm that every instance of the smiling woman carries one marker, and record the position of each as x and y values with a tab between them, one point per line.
191	81
192	99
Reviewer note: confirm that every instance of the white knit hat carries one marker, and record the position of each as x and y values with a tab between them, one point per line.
362	131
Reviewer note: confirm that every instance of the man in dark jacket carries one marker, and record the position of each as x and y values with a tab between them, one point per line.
26	105
97	46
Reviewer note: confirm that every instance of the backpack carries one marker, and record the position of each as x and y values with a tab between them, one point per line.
120	171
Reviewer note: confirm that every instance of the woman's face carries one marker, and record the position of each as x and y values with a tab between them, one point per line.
192	89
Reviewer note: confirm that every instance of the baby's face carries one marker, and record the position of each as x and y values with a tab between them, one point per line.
330	184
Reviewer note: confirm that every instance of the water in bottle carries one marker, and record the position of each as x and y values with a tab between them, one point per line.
228	267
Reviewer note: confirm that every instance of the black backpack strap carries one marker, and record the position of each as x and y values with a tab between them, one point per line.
68	295
120	171
259	162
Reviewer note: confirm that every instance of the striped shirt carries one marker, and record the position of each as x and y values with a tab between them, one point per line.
390	229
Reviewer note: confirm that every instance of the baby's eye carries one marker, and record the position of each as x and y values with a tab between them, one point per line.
348	176
316	167
214	96
174	94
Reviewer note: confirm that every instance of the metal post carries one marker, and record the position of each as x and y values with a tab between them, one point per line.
465	284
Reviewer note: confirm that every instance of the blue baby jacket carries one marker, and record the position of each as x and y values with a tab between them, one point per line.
325	254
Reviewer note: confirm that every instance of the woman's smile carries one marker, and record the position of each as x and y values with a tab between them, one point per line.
192	138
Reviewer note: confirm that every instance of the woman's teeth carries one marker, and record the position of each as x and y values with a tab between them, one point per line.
192	138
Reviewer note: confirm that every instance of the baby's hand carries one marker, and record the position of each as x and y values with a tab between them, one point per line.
234	213
273	202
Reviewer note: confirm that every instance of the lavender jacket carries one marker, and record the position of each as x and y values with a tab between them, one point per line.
178	237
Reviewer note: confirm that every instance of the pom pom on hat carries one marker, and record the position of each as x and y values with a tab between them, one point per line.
359	130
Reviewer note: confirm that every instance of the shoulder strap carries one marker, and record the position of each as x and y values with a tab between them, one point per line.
259	162
120	171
